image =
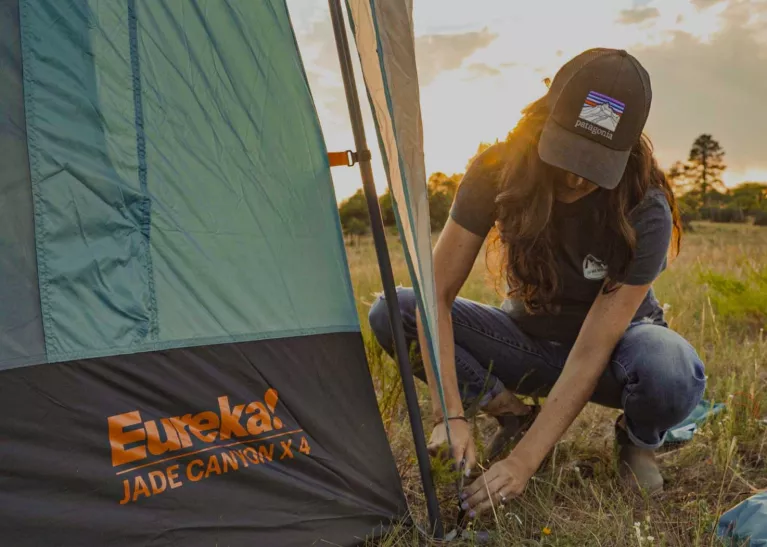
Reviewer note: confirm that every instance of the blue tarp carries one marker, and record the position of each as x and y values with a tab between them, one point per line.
746	523
684	431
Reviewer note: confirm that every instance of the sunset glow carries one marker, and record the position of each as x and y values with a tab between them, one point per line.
481	62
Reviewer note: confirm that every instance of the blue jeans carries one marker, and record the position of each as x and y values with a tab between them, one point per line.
654	374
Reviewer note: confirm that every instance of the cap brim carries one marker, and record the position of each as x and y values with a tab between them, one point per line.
588	159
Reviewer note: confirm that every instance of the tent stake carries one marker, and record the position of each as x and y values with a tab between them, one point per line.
384	264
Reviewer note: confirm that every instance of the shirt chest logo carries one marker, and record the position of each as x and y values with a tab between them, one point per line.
593	268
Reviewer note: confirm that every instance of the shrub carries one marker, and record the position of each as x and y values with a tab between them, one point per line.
743	301
353	214
387	209
760	218
439	209
723	214
355	227
687	218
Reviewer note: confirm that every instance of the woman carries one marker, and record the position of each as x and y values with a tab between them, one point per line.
586	220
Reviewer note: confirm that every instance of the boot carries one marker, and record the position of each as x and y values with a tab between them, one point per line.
511	427
637	466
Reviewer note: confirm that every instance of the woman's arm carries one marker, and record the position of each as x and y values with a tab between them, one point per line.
607	320
605	324
454	256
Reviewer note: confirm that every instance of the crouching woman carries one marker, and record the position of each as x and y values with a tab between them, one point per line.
586	222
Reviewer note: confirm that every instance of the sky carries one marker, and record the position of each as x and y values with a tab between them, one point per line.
481	61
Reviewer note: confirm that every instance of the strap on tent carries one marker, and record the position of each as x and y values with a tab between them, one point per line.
348	158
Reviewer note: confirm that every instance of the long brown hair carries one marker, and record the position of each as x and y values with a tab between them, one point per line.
526	204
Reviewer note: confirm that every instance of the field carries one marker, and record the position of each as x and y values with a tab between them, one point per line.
716	296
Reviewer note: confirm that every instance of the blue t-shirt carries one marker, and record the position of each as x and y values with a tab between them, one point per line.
579	250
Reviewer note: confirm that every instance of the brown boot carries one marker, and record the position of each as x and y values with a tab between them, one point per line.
637	466
511	427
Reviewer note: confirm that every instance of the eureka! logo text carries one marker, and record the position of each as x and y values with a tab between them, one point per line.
209	443
132	439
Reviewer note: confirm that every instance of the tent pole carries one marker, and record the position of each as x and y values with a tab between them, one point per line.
384	264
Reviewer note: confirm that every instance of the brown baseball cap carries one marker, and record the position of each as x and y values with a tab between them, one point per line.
599	102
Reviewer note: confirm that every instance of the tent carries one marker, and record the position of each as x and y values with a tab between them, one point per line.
180	354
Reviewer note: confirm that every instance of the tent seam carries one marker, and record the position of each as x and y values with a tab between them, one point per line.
26	36
191	342
152	329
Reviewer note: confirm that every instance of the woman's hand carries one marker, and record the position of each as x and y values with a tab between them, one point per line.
463	442
504	480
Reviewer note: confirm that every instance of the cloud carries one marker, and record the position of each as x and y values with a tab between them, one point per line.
712	86
703	4
637	15
437	53
479	70
320	42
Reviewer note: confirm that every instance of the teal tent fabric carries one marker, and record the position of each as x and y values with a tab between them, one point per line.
173	146
228	84
94	284
684	432
21	327
745	525
171	263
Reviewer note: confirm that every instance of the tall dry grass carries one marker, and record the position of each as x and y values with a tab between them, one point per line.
575	499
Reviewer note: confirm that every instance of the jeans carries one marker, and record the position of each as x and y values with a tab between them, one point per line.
654	375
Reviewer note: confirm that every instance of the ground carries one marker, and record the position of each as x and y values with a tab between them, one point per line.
714	293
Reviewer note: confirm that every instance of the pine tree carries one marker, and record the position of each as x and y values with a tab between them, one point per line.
705	166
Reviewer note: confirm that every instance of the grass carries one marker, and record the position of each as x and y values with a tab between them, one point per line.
575	499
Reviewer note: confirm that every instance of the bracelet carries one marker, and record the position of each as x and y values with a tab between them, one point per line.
441	419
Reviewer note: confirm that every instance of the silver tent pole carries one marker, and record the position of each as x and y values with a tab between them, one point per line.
384	264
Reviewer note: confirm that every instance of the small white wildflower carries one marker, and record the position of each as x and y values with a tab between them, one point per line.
637	524
650	538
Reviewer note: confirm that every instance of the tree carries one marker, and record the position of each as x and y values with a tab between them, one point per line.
677	177
705	166
387	209
750	196
441	189
353	213
355	227
440	182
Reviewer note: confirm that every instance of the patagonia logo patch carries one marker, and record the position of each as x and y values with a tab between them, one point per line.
600	114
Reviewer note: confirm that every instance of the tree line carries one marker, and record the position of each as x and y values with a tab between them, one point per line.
441	190
702	195
697	182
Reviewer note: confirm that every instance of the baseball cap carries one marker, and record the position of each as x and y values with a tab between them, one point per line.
599	102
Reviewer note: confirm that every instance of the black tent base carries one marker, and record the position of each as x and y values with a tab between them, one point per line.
188	445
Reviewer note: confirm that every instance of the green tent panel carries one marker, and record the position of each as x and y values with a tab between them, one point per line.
180	353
